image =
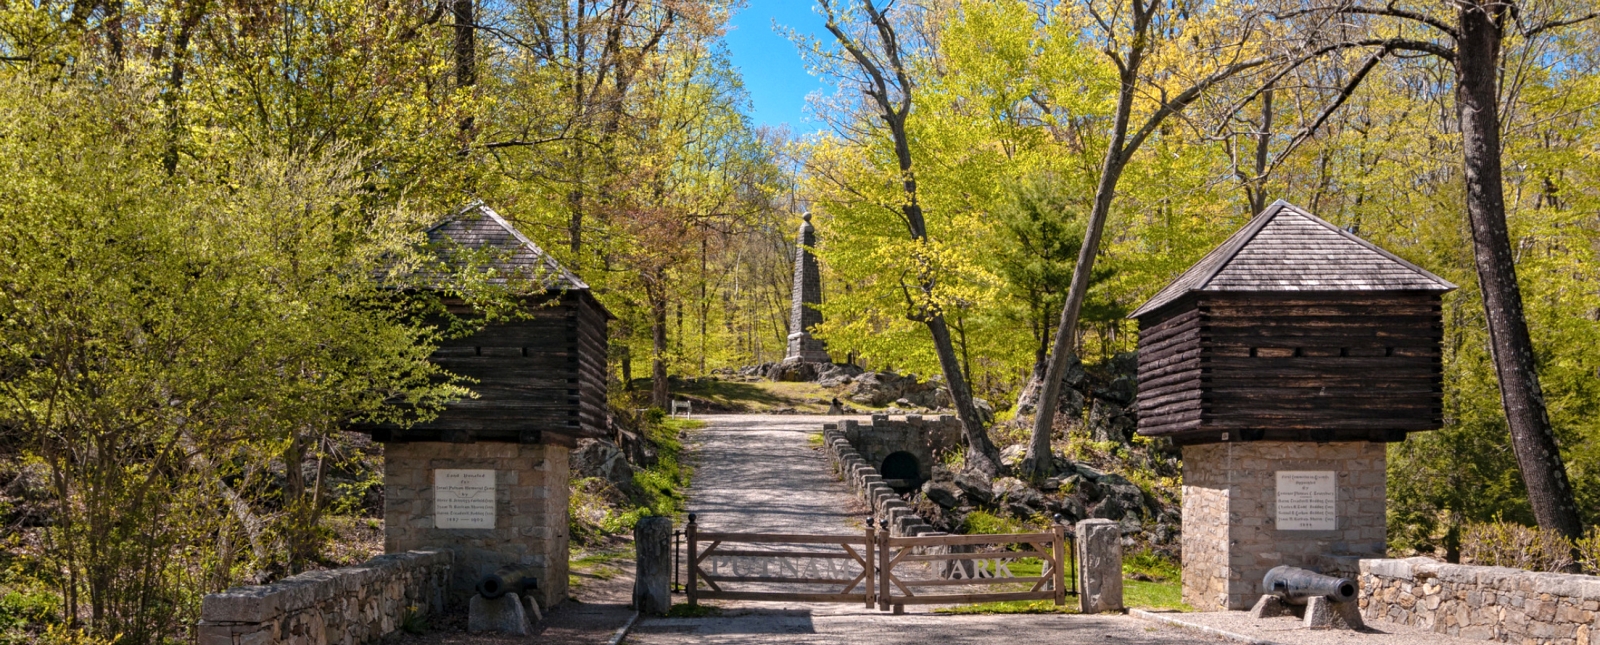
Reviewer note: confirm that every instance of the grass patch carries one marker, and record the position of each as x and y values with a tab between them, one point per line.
814	439
1163	590
596	565
986	523
1014	607
683	610
1154	595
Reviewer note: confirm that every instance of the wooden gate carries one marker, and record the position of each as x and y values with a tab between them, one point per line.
876	568
978	567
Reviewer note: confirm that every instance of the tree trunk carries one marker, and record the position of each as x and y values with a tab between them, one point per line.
465	52
1039	464
1532	439
660	396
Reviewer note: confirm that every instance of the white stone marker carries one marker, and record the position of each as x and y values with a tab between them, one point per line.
1306	500
463	499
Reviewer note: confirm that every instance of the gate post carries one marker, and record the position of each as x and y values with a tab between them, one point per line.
1060	552
693	563
883	569
867	572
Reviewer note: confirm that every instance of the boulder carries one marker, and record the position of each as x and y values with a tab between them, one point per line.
1069	508
1108	421
638	450
1121	390
876	389
1018	498
603	460
985	411
943	493
1012	456
976	487
1120	499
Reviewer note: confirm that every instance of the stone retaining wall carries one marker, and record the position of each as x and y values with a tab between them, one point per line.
1486	603
922	437
349	606
863	478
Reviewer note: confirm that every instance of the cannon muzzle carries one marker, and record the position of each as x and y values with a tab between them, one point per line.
1295	585
512	578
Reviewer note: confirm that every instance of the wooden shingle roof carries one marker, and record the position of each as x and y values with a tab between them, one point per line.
1288	249
492	241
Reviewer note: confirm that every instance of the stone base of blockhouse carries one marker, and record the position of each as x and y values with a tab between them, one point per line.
531	493
1230	533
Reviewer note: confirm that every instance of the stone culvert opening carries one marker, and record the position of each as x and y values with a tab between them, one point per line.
901	471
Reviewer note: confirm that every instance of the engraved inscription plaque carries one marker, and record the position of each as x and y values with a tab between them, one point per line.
1306	500
463	499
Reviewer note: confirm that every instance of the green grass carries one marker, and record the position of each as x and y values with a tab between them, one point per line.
1164	591
1154	595
815	439
1014	607
598	565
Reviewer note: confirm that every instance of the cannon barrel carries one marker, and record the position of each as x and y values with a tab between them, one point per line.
512	578
1295	585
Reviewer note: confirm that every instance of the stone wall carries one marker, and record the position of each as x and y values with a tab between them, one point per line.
531	494
863	478
1230	537
923	437
348	606
1486	603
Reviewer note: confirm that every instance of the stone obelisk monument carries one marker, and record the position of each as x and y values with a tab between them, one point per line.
807	295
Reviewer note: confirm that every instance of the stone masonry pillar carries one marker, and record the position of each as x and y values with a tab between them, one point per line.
1232	533
1099	544
803	314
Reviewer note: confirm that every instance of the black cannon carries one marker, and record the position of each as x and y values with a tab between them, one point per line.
512	578
1295	586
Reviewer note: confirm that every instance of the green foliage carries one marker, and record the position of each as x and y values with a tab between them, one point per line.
414	622
985	523
1013	607
1503	544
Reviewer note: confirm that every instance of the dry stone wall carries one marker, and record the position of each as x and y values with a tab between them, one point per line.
349	606
1486	603
864	479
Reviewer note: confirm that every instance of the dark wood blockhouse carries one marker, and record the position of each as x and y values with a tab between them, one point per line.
541	379
1292	330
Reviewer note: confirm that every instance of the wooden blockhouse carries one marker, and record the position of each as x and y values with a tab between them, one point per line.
1292	330
541	379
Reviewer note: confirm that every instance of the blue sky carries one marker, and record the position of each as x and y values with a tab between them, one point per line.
773	72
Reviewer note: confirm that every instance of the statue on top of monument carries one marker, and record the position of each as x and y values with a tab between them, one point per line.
804	315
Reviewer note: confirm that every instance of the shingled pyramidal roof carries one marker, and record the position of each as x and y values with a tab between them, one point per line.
1288	249
479	228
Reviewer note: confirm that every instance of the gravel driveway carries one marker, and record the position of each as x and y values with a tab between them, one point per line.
759	473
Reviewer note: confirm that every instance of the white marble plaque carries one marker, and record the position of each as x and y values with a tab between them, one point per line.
1306	500
463	499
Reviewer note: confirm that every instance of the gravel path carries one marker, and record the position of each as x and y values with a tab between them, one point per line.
759	474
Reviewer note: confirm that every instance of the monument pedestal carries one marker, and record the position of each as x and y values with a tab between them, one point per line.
492	503
1253	505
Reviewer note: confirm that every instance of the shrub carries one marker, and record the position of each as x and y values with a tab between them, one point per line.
1503	544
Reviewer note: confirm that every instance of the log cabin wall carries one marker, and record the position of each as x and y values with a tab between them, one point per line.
541	379
1293	367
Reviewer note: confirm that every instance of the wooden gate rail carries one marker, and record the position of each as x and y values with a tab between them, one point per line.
852	548
1049	548
879	553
